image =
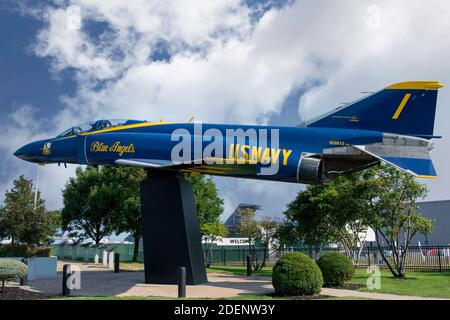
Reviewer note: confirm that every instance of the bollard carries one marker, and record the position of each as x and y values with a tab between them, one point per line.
249	265
66	275
181	282
117	263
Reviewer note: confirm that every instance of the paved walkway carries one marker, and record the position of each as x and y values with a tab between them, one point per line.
99	281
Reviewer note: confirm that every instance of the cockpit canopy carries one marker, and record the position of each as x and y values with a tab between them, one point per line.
97	125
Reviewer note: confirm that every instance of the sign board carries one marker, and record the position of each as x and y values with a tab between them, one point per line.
231	242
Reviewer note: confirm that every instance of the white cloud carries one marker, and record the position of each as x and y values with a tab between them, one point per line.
226	68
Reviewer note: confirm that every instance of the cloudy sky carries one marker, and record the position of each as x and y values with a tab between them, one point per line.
265	62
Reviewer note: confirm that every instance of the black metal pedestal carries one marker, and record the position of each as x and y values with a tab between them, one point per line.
171	230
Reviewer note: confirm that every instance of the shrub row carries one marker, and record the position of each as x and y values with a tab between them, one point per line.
23	250
297	274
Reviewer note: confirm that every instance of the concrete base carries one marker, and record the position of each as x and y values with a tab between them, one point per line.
41	268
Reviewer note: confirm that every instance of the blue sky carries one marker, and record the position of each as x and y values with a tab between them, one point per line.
25	78
279	62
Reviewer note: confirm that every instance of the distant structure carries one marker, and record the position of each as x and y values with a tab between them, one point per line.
233	223
439	213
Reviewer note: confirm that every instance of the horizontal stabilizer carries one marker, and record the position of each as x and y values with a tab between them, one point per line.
419	167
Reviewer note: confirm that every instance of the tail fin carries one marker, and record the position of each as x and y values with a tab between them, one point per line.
406	108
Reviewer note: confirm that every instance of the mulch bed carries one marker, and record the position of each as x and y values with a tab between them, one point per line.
18	293
317	296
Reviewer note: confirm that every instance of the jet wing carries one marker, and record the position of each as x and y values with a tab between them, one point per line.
195	166
147	163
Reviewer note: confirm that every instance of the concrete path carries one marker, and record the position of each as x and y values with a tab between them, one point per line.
99	281
106	283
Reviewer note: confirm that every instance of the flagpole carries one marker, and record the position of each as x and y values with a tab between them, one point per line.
36	188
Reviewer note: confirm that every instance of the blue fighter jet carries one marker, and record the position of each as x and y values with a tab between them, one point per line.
393	126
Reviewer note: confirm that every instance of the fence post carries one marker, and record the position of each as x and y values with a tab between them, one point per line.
249	265
117	263
368	255
439	257
181	282
225	257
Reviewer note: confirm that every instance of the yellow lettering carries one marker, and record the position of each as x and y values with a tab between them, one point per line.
256	154
97	146
275	155
286	155
244	149
231	157
266	156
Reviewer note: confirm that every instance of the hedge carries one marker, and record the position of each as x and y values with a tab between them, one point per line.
336	268
296	274
23	250
11	270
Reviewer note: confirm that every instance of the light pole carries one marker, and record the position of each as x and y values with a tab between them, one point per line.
36	188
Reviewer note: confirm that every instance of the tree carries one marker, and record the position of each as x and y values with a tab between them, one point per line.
307	217
287	234
250	229
340	211
212	232
334	212
393	207
126	194
208	203
24	222
89	204
269	227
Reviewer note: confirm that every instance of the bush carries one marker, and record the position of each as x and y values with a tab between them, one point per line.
336	268
12	269
23	250
296	274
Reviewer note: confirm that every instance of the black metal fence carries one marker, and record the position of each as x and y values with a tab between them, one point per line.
423	258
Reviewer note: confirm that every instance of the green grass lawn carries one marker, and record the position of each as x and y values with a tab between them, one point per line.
423	284
236	270
239	270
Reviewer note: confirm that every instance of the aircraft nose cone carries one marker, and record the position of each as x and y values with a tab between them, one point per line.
21	152
29	151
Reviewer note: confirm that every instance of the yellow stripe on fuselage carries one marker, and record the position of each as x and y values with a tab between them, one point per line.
401	106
